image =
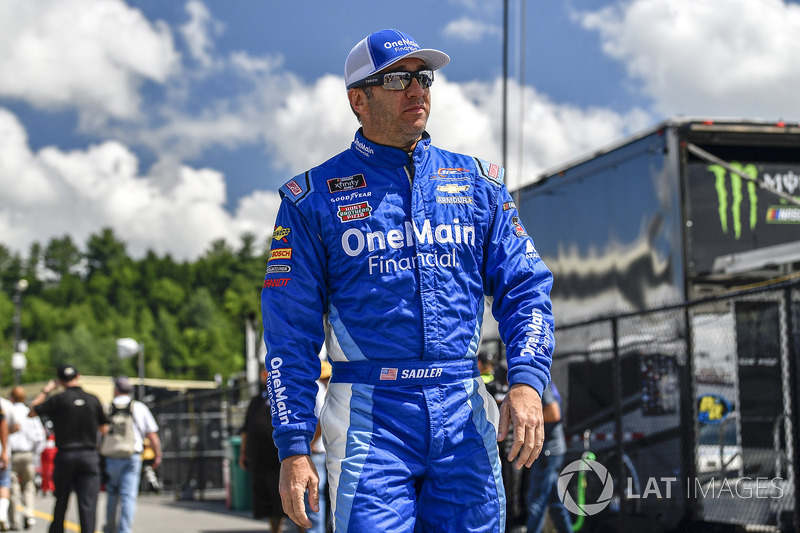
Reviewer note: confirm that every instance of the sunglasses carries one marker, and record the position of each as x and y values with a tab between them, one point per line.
398	81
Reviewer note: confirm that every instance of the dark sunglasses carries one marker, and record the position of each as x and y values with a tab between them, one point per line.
398	81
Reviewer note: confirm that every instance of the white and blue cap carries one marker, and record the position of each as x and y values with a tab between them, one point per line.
383	49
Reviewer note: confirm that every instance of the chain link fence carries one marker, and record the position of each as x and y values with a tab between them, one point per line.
690	409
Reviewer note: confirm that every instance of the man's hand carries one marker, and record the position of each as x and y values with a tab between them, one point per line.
299	475
522	407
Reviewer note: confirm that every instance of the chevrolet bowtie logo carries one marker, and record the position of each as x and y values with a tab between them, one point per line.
452	188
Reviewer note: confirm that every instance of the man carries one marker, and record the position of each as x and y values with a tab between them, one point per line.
386	253
77	418
25	445
124	473
259	456
543	481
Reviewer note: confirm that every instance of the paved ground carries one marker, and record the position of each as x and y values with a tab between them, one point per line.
163	514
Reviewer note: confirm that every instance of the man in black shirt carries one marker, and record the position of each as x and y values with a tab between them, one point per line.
77	416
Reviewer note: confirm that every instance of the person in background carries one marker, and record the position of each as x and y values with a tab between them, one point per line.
5	470
77	418
26	444
386	253
543	481
318	518
124	474
259	455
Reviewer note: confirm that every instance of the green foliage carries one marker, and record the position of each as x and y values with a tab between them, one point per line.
188	315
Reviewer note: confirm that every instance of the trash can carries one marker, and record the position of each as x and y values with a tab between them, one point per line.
239	497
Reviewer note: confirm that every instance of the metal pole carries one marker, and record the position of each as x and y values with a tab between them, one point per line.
505	83
141	373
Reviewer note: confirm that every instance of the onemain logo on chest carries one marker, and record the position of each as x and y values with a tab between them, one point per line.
355	241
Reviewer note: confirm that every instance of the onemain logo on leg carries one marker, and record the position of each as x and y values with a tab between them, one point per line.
592	473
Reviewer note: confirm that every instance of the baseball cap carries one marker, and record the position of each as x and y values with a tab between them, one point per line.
384	48
67	372
123	384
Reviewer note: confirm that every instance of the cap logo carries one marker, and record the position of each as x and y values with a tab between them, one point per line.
404	44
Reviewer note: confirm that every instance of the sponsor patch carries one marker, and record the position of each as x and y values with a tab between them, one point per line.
277	282
346	184
450	173
509	205
294	188
388	374
530	251
494	171
454	199
281	233
348	213
519	231
280	253
783	214
279	269
452	188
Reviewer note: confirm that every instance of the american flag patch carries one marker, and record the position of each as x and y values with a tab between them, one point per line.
388	374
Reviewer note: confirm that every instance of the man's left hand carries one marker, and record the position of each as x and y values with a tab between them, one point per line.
522	407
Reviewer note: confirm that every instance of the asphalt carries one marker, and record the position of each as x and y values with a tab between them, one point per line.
204	513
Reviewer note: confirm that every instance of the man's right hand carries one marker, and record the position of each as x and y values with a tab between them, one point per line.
298	475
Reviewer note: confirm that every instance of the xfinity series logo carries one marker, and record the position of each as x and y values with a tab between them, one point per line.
346	184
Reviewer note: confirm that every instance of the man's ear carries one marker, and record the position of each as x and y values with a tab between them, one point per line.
358	100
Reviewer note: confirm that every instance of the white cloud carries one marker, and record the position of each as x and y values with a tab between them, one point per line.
85	54
471	30
53	192
467	118
197	32
707	57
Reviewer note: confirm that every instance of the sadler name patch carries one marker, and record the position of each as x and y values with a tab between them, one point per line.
348	213
347	184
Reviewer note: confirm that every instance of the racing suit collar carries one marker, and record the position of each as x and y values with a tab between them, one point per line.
387	156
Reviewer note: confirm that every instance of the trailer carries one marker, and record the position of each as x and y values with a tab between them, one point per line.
676	260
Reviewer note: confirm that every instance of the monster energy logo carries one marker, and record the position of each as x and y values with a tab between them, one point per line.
736	196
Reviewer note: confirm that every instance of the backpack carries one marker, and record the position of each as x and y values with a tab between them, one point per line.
119	441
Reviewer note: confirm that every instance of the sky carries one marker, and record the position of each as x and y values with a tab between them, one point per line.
175	122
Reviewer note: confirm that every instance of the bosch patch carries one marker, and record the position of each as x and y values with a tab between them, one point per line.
280	253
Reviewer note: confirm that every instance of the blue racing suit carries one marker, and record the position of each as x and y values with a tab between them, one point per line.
387	257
